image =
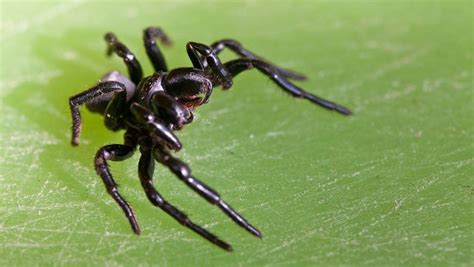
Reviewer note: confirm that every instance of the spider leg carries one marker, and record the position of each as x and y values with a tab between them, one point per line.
183	172
116	153
239	65
146	167
208	59
95	93
115	46
157	59
237	48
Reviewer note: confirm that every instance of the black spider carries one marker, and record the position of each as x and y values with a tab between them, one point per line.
149	110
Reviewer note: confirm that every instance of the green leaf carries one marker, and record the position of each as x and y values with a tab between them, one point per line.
391	185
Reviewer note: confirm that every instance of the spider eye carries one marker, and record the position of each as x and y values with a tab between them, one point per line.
149	118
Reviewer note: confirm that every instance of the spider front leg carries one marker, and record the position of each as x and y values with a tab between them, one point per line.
146	168
97	97
237	48
183	172
239	65
202	57
115	46
157	59
117	153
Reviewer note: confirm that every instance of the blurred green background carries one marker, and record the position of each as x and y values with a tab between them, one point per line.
390	186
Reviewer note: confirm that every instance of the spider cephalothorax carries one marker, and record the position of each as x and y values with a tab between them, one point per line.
149	110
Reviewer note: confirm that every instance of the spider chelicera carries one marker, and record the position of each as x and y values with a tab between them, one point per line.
149	110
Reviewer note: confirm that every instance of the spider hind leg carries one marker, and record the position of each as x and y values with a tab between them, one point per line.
157	59
97	99
133	65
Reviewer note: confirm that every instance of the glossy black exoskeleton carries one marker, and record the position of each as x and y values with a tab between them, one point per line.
150	109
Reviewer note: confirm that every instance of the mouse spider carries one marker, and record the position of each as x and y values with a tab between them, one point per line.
150	109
